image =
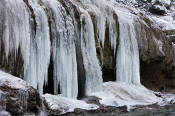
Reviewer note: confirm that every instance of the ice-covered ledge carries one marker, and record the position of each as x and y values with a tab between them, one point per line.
122	94
64	105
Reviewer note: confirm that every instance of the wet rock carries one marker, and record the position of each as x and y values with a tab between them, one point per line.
158	94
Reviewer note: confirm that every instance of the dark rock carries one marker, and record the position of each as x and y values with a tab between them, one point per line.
158	94
158	9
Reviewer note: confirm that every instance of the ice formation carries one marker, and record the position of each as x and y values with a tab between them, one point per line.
67	105
64	54
128	64
93	80
121	93
50	30
36	71
23	97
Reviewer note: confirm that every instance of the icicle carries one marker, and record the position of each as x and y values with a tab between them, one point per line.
128	53
91	63
112	33
23	98
64	54
100	10
2	101
16	28
37	71
43	107
106	16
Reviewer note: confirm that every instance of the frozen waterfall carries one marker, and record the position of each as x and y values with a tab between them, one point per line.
48	30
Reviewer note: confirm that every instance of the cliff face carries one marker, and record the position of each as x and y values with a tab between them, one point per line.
157	60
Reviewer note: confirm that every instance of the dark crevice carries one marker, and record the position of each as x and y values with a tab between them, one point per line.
49	87
80	67
109	73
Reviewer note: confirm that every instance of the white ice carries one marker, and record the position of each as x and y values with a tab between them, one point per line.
65	105
36	72
120	94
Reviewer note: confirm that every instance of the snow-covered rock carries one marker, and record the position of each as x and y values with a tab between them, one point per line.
17	97
165	3
167	99
12	81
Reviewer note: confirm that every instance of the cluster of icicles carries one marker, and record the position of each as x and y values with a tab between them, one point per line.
63	30
21	95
